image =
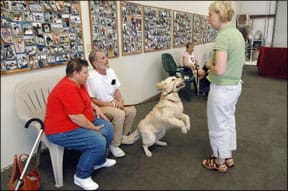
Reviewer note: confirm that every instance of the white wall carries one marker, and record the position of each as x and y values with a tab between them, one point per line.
280	35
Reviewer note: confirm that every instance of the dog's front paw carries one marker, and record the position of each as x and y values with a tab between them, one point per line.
148	154
184	130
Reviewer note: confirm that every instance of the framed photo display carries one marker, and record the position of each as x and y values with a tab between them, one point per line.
157	28
104	27
182	28
197	32
131	22
39	34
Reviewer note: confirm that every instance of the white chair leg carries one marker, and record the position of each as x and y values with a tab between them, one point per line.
56	155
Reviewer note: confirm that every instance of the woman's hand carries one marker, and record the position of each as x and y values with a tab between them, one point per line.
99	113
119	104
201	73
98	128
208	64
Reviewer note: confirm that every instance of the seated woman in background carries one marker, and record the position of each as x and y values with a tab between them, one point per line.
191	66
189	59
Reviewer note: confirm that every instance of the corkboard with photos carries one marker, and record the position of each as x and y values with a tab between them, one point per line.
182	28
39	34
104	27
132	25
157	28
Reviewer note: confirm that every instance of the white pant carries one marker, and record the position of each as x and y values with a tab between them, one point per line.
221	108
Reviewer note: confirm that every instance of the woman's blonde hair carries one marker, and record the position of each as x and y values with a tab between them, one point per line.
224	9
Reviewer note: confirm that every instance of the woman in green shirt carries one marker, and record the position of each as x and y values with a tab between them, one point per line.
226	66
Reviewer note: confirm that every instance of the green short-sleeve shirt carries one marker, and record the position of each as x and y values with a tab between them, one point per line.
230	40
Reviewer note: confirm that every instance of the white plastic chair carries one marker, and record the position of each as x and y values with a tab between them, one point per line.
31	98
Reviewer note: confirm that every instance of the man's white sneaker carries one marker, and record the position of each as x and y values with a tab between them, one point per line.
128	140
85	183
107	163
116	151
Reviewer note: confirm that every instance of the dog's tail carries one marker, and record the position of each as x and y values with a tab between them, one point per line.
134	136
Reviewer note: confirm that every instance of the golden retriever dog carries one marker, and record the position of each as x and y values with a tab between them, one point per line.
167	113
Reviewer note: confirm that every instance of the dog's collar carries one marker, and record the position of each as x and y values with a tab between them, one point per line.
171	100
168	93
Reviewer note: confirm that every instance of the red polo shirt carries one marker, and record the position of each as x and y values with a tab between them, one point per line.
66	99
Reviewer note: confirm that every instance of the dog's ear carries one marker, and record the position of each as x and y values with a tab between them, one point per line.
160	85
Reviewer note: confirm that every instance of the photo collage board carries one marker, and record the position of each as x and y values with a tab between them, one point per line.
157	28
104	27
132	26
182	28
39	34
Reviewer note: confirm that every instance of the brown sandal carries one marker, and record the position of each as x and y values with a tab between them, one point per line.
211	164
229	162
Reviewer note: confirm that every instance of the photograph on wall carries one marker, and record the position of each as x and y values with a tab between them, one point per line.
17	6
33	62
28	15
157	28
35	7
8	52
38	17
40	30
48	16
22	61
57	18
27	28
16	29
131	22
6	35
197	33
42	60
29	40
19	45
37	27
104	27
16	16
6	5
8	58
8	65
5	19
182	28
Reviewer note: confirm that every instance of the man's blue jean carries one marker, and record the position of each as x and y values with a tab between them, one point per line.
92	144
